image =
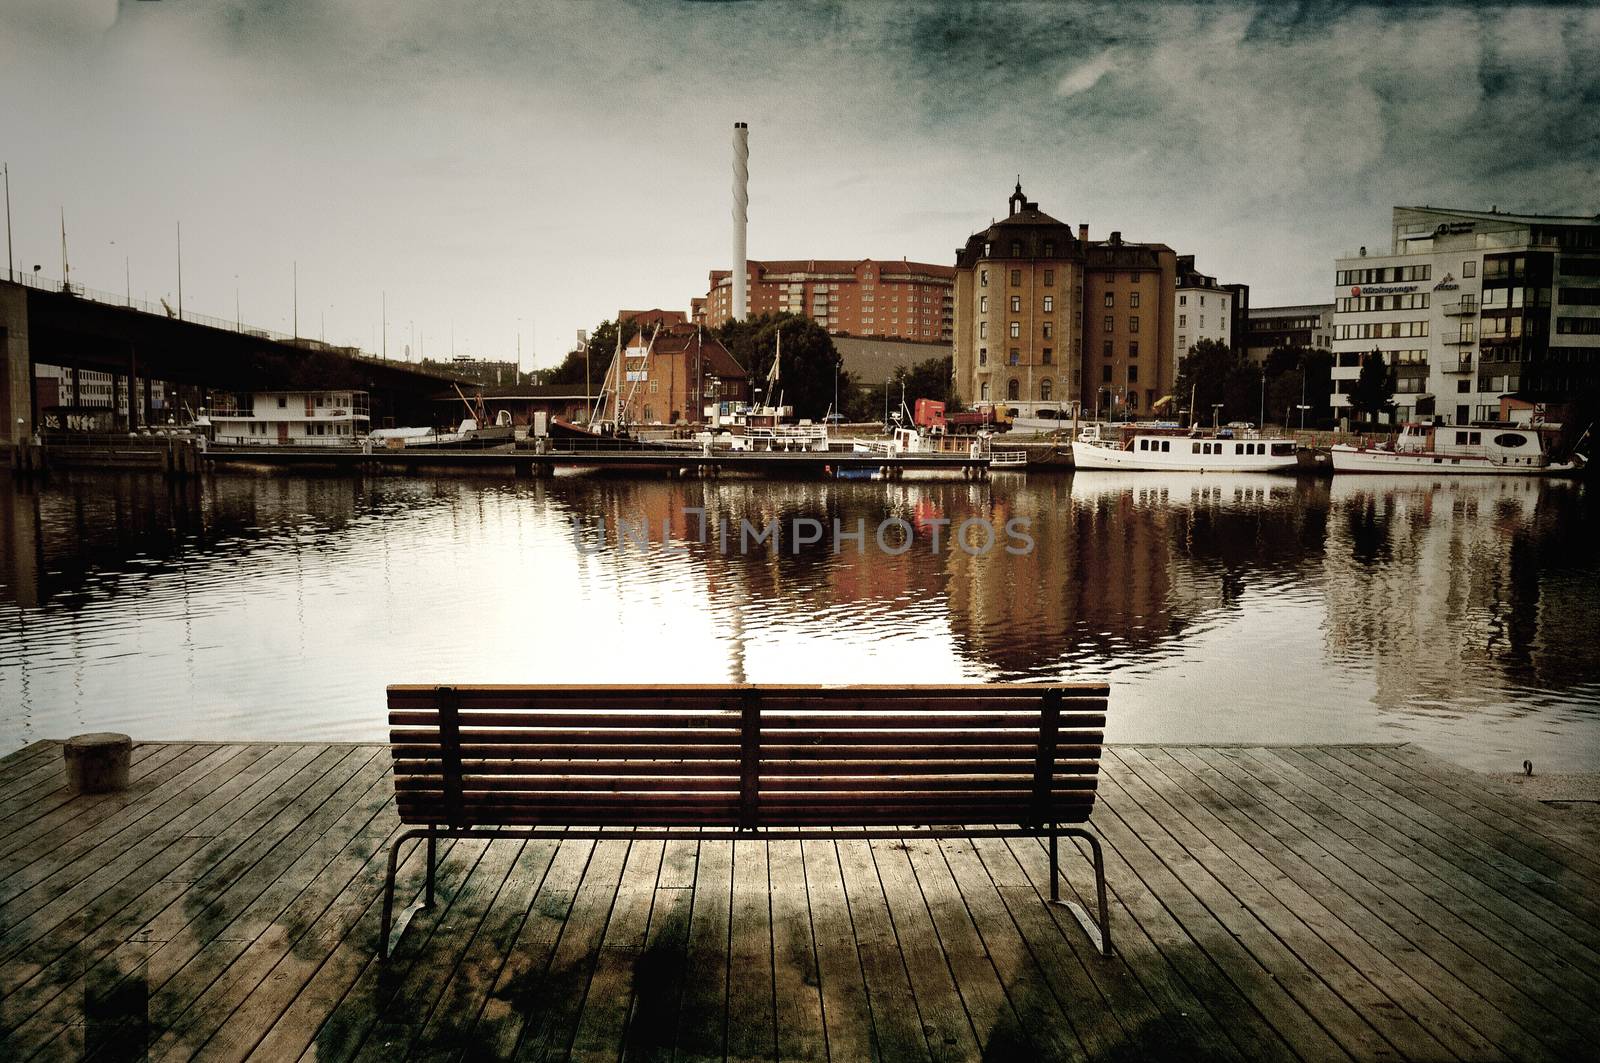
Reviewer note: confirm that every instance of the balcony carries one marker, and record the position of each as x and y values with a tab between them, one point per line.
1463	307
1461	365
1460	339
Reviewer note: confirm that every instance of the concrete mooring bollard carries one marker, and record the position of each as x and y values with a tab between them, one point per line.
97	763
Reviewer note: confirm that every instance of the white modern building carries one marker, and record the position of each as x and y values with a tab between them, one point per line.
1469	307
291	418
1203	310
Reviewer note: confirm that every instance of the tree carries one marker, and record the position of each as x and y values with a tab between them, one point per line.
576	367
930	379
1373	393
806	377
1296	375
1204	377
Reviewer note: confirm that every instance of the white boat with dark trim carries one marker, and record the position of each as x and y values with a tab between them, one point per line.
1177	451
1482	448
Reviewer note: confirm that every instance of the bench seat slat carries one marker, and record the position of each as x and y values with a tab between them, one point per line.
575	784
933	719
400	693
769	768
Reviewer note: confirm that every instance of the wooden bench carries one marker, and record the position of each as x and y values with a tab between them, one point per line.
734	762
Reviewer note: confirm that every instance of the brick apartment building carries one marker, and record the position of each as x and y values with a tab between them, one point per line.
865	297
673	379
1045	316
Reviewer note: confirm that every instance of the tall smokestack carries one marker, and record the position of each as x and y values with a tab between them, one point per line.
741	217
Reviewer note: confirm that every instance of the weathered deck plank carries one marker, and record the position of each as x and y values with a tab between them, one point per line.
1325	902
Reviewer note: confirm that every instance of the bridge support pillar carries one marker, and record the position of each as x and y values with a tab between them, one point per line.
133	389
16	367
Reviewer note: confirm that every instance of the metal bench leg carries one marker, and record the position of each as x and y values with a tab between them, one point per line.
1055	873
1099	930
389	926
432	840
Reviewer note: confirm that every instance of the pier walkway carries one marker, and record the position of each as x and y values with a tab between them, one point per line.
1332	902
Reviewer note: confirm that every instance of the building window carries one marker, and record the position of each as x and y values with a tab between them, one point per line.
1183	320
1183	300
1049	304
1105	373
1049	249
983	330
1016	249
1016	330
1134	277
1016	304
1016	278
983	278
1110	323
1111	299
983	391
1469	269
987	247
1045	389
1133	323
1047	330
1049	278
1012	389
1105	349
1016	355
983	356
1133	348
1049	355
1133	299
283	402
1133	374
1183	342
983	304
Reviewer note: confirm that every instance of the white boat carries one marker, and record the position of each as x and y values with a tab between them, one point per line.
1474	449
1168	451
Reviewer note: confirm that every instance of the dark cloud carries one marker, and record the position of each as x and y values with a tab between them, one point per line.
489	161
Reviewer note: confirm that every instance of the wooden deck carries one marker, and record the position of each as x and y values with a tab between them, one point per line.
1364	902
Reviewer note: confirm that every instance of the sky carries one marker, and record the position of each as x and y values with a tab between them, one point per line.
506	172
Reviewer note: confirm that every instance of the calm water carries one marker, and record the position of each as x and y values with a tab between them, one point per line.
1464	616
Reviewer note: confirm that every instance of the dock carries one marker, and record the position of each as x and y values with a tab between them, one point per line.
1268	903
673	461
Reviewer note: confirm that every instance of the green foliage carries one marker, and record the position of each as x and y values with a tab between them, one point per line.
1216	375
806	377
1209	374
602	346
1373	393
930	379
1296	374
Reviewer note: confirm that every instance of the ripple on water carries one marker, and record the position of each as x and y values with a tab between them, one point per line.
1463	617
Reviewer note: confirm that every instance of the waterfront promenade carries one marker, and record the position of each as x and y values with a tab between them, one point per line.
1367	902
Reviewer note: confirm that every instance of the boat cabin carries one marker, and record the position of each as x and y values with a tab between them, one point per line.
291	418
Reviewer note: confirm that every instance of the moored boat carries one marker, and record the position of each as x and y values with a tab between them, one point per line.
1481	448
1177	451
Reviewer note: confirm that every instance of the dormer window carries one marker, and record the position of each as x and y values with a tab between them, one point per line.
1049	248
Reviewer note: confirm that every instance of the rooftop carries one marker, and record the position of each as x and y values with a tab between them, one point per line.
1509	216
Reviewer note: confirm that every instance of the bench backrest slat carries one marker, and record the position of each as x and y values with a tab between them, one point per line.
746	756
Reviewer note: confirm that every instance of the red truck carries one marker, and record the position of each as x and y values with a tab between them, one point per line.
985	416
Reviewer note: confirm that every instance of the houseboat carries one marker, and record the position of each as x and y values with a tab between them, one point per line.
1479	448
1171	450
290	419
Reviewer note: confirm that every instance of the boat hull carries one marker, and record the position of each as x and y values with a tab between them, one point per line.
1092	456
1354	459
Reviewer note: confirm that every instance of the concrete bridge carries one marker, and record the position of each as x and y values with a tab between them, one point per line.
79	332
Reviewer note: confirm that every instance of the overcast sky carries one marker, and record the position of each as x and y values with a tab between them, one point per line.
485	162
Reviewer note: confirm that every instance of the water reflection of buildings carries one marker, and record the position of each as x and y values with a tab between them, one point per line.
1124	565
1456	589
